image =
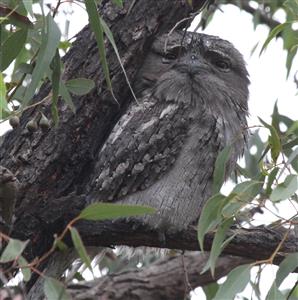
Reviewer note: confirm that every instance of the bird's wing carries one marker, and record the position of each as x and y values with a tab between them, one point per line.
141	148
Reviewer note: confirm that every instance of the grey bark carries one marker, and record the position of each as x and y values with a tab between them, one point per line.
172	278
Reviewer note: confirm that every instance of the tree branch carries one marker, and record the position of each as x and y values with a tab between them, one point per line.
164	279
263	18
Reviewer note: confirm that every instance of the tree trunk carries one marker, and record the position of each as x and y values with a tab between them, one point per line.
58	164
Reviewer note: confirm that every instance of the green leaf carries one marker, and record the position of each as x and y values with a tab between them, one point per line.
217	245
22	262
96	27
288	265
292	6
13	250
274	141
235	283
56	68
3	103
275	294
78	243
210	216
241	195
271	178
54	289
50	42
273	33
66	96
220	169
79	86
12	47
103	211
28	5
109	35
118	3
64	45
285	189
60	245
210	290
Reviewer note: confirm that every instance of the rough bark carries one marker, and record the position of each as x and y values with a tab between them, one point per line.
166	279
59	162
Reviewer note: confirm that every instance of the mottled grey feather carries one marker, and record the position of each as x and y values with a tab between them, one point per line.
192	103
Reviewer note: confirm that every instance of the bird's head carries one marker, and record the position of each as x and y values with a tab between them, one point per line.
199	63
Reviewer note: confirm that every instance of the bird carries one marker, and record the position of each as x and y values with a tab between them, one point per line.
192	92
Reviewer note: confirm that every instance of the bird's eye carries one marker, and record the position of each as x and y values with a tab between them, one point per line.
222	65
219	60
170	55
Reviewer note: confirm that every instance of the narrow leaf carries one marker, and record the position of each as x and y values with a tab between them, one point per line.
235	283
80	86
54	289
118	3
28	5
220	169
210	216
274	141
12	47
13	250
275	294
50	42
56	68
78	243
103	211
241	195
66	96
217	245
285	189
288	265
22	262
271	178
3	103
210	290
96	27
273	33
109	35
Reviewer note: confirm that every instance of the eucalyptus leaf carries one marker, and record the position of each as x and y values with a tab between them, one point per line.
219	169
285	189
210	216
79	86
13	250
103	211
3	103
275	294
235	283
273	33
54	289
274	141
50	41
118	3
22	262
217	245
56	73
96	27
12	47
78	243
